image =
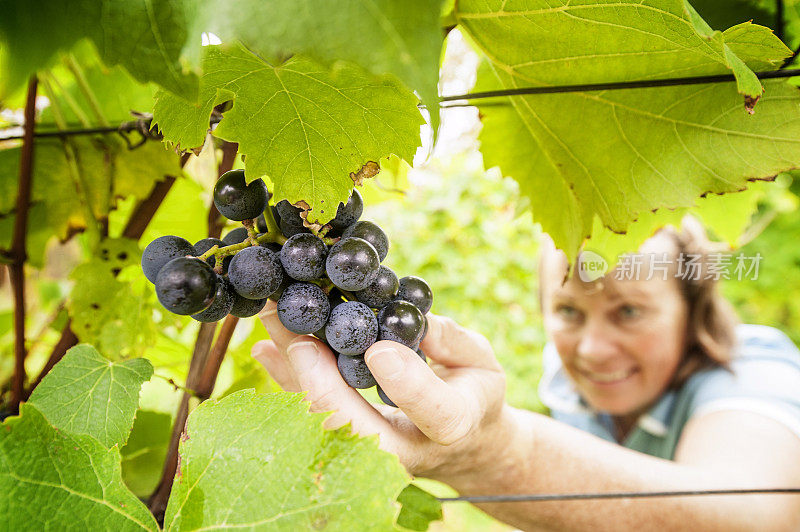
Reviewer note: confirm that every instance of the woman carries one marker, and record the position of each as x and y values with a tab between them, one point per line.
651	385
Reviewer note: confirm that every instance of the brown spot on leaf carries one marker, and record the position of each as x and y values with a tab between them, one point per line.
750	103
122	255
95	306
370	169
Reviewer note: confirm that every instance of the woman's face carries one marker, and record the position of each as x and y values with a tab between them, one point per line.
620	341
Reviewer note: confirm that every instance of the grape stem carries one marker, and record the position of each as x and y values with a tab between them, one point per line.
327	286
272	227
252	235
320	233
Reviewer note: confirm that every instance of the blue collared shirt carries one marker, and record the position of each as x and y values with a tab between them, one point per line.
765	380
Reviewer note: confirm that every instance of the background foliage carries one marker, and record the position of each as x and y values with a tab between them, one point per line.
311	92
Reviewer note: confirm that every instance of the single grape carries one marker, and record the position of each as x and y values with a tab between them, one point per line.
244	308
186	285
355	372
380	291
303	308
222	304
347	214
424	329
352	264
401	321
384	397
289	212
288	229
235	236
255	272
372	234
351	328
415	290
303	257
237	200
204	245
162	250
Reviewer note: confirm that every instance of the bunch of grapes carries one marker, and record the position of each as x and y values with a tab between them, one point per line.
327	280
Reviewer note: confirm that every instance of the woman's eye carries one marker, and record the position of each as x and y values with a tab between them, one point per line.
567	312
629	311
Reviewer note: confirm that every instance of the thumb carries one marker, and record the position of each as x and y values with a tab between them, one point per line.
439	410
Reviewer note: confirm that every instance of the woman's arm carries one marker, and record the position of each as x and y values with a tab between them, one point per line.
724	450
455	427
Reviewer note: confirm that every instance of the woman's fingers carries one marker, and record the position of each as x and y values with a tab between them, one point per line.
442	412
315	369
452	345
277	332
268	354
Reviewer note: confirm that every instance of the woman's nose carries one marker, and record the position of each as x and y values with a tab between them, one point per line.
597	343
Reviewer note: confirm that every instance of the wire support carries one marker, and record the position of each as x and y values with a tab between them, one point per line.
539	497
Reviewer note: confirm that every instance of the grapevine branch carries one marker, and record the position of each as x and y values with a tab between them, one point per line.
18	252
203	366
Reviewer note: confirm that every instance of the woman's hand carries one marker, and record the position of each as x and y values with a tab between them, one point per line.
451	418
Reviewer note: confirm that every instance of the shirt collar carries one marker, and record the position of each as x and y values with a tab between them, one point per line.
557	392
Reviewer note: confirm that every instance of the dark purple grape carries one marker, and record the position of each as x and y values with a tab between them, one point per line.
355	372
289	212
415	290
384	397
289	230
162	250
401	321
237	200
186	285
347	214
204	245
351	328
244	308
380	291
303	257
222	304
303	308
235	236
352	264
372	234
255	272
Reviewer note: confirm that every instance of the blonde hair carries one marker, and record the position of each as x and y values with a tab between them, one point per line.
711	320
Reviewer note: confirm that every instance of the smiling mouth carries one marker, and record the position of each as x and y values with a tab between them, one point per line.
608	378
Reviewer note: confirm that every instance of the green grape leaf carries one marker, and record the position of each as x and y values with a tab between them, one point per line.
52	479
86	394
609	40
726	216
149	39
114	93
419	508
383	36
143	456
271	466
109	310
305	127
70	183
635	150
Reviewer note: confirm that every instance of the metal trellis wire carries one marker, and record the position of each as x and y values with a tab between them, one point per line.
142	124
541	497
